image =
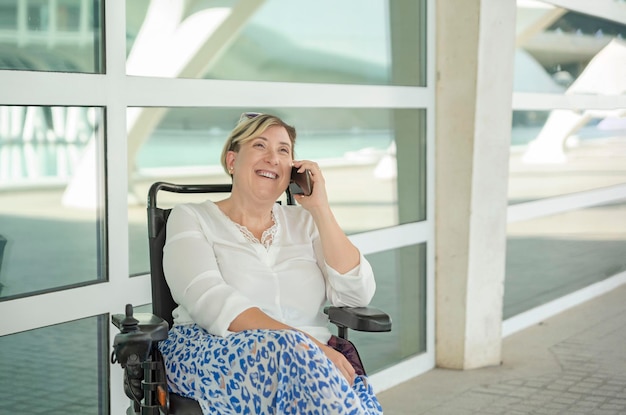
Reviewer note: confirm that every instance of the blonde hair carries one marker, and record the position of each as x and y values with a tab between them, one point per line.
250	126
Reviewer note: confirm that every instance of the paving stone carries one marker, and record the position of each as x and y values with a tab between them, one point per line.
557	387
565	401
587	404
612	407
606	412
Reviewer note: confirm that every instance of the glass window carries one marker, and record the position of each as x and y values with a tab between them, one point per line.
568	252
569	53
560	152
61	369
374	161
56	36
52	232
8	15
276	40
401	293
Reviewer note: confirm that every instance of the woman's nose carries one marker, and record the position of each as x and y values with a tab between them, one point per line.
272	157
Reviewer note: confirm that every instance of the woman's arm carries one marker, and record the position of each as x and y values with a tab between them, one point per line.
339	252
194	277
254	318
349	277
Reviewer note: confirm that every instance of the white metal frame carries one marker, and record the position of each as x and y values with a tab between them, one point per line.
116	91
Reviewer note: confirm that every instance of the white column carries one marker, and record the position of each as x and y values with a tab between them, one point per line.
475	48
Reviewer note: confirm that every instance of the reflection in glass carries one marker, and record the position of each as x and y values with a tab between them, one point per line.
547	161
56	370
56	36
51	198
280	41
568	252
373	161
401	293
561	51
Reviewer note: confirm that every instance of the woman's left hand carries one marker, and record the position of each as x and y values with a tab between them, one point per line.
318	197
339	253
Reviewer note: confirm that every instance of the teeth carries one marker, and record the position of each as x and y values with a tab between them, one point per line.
267	174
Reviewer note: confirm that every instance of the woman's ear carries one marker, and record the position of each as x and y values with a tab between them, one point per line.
230	160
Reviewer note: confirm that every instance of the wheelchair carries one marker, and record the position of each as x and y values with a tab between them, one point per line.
135	346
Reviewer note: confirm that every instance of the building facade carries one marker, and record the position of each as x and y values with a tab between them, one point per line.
473	157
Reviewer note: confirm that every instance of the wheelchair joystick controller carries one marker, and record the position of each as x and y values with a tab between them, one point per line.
129	323
131	347
131	342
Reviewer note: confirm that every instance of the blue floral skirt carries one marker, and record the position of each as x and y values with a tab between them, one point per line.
260	372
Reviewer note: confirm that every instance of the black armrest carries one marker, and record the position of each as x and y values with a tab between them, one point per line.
153	326
359	318
138	334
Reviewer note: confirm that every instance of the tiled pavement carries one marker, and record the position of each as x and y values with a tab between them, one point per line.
573	363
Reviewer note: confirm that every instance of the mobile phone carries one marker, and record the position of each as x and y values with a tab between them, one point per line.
301	183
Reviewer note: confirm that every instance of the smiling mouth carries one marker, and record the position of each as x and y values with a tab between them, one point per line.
267	174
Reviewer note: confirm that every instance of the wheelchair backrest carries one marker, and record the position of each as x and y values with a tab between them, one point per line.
162	302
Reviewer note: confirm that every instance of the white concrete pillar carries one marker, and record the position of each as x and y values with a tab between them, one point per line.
475	49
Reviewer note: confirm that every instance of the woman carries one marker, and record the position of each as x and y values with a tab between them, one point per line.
250	277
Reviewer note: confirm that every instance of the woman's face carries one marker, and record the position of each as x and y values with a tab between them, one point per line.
262	167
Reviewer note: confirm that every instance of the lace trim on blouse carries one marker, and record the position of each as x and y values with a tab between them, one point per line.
268	236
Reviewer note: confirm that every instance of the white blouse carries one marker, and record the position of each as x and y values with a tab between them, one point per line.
215	273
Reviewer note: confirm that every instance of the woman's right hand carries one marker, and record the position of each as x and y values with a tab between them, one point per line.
254	318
